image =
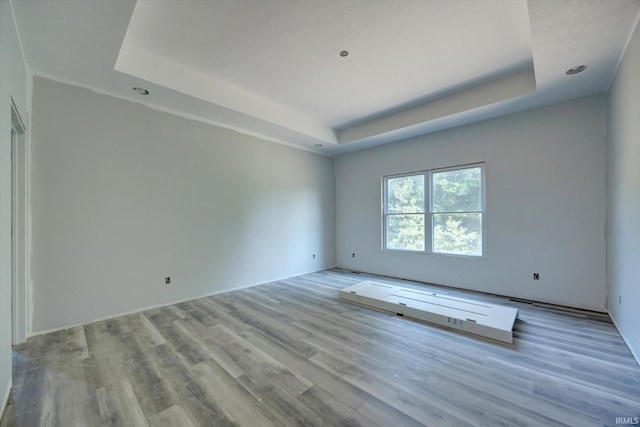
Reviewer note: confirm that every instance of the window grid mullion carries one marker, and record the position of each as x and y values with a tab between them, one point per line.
428	223
455	212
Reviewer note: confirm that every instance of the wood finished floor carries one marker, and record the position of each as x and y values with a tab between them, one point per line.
292	353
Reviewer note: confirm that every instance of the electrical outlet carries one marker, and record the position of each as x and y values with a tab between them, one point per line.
167	280
536	276
353	255
314	256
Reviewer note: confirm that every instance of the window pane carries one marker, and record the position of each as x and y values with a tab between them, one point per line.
405	194
457	190
405	232
457	234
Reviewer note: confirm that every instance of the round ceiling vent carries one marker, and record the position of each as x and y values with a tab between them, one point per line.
140	91
576	70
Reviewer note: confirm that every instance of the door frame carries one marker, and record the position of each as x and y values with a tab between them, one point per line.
19	228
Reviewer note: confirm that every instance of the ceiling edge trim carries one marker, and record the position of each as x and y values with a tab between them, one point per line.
177	113
17	28
634	27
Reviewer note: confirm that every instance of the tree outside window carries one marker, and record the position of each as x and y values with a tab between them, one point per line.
439	211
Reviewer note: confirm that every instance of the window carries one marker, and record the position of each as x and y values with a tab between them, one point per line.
439	211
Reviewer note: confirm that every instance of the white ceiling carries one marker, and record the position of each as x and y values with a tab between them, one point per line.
272	68
287	52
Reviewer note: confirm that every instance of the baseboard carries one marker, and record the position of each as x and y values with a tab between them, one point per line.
5	400
151	307
626	341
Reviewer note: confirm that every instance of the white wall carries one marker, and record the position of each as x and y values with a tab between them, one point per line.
123	196
12	84
623	189
546	205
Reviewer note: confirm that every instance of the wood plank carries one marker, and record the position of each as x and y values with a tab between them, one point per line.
235	401
346	392
292	353
406	402
173	416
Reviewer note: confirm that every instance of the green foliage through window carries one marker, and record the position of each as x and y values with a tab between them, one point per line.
459	234
457	190
454	222
405	232
405	194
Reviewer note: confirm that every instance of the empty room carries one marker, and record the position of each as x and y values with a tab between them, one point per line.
319	212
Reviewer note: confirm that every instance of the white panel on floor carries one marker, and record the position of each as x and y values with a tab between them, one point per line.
476	317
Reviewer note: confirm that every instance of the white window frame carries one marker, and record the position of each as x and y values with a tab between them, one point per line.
428	209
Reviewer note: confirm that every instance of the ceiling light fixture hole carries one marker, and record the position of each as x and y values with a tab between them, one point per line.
576	70
344	53
140	91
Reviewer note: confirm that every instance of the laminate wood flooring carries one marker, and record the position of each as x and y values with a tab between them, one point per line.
292	353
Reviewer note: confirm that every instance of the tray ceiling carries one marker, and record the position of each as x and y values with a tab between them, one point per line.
273	69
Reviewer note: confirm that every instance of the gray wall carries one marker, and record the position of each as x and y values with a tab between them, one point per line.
546	205
123	196
12	84
623	189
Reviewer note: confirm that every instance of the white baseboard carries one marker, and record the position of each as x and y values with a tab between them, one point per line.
626	341
151	307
